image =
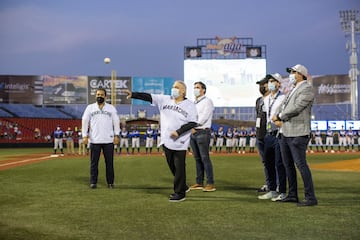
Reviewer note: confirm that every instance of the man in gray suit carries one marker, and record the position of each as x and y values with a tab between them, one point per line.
293	116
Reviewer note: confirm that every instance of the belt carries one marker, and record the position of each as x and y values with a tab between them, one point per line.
201	129
272	133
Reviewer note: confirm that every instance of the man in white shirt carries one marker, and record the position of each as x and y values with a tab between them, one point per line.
101	125
200	140
178	116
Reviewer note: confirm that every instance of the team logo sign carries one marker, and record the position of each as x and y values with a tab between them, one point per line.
225	46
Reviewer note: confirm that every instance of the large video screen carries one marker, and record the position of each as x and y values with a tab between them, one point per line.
229	82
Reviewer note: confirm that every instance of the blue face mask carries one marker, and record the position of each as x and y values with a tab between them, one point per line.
292	78
271	86
196	92
175	92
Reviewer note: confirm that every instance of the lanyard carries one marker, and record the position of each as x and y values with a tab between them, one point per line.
199	100
272	103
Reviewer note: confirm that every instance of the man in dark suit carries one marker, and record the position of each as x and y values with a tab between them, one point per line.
261	127
294	116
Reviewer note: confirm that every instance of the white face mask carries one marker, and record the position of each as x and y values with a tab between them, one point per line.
271	86
292	78
175	92
196	92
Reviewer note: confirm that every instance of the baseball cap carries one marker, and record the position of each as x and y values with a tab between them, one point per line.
300	69
275	76
262	81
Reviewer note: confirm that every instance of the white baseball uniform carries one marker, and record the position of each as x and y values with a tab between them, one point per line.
100	123
172	116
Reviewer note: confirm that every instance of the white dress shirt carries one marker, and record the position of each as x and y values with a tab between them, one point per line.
205	108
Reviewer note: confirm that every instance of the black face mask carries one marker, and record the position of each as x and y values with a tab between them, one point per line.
100	99
262	90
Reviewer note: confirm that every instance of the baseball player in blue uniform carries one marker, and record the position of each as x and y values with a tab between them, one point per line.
178	116
58	140
135	140
101	124
149	140
124	139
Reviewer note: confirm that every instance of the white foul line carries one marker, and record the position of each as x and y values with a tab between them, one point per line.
23	161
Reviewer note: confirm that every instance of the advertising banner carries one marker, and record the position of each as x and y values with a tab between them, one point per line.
332	89
65	90
21	89
121	83
154	85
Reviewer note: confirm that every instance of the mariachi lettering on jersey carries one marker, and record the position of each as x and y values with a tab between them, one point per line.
100	112
175	108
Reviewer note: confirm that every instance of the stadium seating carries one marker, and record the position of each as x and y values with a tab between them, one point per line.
32	111
46	126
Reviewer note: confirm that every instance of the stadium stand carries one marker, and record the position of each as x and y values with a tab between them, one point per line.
27	126
32	111
4	113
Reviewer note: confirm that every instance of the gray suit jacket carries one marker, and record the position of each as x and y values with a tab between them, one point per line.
295	111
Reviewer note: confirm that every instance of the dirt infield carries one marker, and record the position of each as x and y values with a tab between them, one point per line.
15	161
345	165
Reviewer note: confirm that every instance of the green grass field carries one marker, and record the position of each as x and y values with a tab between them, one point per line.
52	200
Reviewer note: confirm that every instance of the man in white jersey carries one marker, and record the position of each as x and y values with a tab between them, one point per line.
318	139
219	139
101	124
149	139
200	140
124	139
178	116
242	141
342	138
330	140
350	139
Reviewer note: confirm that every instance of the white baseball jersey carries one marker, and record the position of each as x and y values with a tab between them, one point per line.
104	124
172	117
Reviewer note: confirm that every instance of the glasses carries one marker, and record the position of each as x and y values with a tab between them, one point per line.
292	71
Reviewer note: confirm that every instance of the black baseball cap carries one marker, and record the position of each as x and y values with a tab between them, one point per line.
262	81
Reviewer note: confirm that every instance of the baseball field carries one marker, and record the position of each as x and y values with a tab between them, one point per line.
44	197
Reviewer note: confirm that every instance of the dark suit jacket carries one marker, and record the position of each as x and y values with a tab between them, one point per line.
260	131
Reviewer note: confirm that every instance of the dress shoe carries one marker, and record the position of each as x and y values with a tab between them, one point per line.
307	203
290	199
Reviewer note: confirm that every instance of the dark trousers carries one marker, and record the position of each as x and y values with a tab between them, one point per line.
261	146
274	164
199	143
176	162
108	151
293	151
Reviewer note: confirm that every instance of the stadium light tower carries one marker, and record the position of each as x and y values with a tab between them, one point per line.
351	26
